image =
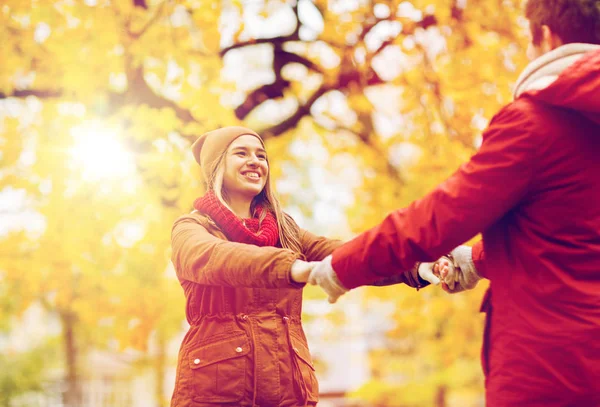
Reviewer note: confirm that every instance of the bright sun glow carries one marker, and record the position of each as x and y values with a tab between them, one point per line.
99	154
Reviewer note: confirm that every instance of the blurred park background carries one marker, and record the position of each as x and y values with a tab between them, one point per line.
365	106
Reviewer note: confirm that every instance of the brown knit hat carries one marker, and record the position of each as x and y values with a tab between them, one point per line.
209	146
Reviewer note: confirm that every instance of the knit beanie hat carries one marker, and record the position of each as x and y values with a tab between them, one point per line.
209	147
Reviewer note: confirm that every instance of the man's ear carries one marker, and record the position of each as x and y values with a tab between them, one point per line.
550	40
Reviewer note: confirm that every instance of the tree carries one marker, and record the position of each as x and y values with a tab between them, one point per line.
23	372
416	63
97	115
394	93
401	91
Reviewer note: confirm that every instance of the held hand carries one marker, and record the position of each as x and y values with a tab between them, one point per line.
324	276
301	270
463	275
429	272
445	269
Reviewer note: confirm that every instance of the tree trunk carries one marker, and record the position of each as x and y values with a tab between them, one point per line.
440	397
72	394
160	364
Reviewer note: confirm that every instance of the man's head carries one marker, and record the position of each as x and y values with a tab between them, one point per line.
557	22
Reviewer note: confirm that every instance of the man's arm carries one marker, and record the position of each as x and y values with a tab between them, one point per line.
478	255
477	195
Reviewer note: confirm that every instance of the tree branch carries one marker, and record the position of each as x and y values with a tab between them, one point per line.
427	21
279	40
383	46
436	93
139	93
367	140
373	23
275	89
151	21
140	3
272	40
190	138
257	96
292	121
42	94
289	57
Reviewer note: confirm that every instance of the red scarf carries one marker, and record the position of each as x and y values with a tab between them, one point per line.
250	231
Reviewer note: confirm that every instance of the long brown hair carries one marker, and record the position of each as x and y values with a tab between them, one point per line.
288	230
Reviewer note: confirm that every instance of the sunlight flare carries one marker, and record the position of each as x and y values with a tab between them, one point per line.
99	154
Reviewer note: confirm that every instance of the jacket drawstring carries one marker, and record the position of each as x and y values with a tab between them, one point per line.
255	352
296	371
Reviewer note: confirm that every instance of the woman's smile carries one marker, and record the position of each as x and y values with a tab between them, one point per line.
252	175
246	168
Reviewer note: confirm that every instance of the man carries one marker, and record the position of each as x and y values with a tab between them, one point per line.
533	190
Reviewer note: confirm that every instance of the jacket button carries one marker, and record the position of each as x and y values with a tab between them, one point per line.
238	349
244	317
196	361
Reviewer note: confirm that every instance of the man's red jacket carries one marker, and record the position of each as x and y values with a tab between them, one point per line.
533	190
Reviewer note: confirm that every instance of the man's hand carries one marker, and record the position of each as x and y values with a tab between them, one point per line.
324	276
463	276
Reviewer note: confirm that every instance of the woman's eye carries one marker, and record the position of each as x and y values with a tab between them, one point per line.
240	153
262	157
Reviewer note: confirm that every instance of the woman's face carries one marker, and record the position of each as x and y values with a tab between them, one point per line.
246	168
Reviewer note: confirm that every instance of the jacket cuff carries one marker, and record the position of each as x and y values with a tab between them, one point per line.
478	258
420	283
411	278
285	272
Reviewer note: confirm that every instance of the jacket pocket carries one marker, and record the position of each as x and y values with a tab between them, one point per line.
307	369
218	369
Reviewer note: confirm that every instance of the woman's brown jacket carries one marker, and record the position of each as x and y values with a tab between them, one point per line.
245	343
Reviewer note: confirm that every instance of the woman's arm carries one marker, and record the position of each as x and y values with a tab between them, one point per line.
316	248
200	257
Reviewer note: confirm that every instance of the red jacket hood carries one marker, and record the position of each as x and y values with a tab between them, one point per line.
567	77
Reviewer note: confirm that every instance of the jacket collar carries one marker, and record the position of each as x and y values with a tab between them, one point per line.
543	71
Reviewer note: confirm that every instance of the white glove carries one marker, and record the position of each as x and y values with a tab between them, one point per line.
324	276
426	272
301	270
463	276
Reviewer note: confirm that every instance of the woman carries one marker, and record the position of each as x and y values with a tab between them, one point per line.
242	264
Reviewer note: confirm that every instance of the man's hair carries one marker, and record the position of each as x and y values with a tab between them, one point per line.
571	20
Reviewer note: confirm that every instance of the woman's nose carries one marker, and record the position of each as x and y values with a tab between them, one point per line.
252	160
